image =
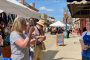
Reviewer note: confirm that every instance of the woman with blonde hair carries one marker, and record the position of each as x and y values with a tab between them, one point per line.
20	43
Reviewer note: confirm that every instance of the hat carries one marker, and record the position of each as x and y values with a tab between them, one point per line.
41	22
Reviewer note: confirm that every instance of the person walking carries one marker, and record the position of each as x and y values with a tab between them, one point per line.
84	29
39	33
20	43
85	43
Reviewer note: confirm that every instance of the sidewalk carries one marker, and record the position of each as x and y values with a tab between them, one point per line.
71	50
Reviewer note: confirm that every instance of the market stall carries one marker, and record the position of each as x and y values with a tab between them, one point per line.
10	9
58	24
6	21
59	27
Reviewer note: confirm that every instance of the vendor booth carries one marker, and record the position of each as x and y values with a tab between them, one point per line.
59	27
58	24
10	9
58	32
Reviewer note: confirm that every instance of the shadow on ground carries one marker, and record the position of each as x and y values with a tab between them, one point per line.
50	55
73	37
62	45
66	58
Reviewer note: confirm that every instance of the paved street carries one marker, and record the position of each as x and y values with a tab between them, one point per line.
50	40
71	50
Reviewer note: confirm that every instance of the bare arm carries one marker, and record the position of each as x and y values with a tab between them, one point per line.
24	43
33	40
82	43
42	38
84	47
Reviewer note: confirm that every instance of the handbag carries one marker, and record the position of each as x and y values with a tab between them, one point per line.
42	46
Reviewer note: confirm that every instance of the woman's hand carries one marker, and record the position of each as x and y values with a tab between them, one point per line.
42	38
31	29
1	41
1	38
33	40
84	47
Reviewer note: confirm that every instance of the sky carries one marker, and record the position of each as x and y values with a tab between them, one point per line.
52	8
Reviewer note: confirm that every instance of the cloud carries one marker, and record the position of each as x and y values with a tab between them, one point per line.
30	4
62	10
44	8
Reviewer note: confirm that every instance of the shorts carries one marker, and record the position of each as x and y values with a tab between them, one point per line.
38	53
85	58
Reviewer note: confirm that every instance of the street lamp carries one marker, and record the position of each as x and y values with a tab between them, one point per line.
65	32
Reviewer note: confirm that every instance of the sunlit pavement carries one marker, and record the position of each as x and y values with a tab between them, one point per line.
71	50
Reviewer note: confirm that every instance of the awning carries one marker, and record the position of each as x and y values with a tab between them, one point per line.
30	12
10	7
79	9
14	7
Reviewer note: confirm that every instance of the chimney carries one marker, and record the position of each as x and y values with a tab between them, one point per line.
22	1
33	5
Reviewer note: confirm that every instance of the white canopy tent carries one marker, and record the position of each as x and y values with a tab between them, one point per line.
14	7
58	24
68	25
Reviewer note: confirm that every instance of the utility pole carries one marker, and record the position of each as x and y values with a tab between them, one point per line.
66	17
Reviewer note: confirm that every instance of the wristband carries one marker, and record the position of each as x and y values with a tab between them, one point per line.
88	45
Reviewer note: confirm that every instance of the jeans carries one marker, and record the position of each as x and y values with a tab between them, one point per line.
0	51
85	58
30	55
